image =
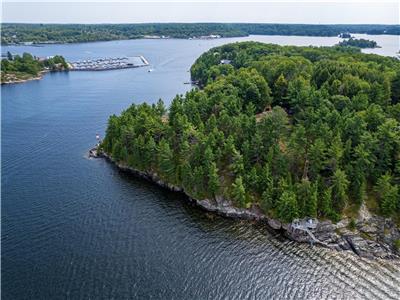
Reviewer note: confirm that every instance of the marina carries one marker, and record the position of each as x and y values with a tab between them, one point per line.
109	63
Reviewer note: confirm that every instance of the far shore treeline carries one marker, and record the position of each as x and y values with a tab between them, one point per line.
15	33
298	131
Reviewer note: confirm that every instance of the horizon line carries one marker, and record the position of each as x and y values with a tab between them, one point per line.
200	22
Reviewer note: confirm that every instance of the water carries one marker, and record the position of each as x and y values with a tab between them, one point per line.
78	228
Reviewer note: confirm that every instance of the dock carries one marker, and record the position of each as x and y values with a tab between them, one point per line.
109	63
307	226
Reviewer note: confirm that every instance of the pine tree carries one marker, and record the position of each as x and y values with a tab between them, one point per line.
280	90
252	180
151	153
213	179
239	192
312	203
267	186
287	207
359	186
303	192
396	88
187	176
160	107
326	202
317	156
208	157
237	165
388	194
165	157
339	191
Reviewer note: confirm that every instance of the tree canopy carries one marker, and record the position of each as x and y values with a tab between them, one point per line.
360	43
14	33
25	66
299	131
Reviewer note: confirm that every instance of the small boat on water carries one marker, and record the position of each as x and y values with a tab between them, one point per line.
150	70
191	82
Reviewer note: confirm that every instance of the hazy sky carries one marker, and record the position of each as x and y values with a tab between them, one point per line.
316	12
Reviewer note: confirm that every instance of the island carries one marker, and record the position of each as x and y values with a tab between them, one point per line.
28	34
345	35
304	139
359	43
15	68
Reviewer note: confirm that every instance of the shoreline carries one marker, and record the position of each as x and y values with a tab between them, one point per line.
371	239
49	43
23	80
39	77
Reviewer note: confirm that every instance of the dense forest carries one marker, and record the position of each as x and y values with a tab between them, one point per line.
73	33
298	131
359	43
27	66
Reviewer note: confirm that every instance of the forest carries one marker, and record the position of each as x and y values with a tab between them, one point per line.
14	33
359	43
27	66
297	131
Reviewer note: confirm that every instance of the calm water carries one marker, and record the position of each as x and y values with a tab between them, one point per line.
75	228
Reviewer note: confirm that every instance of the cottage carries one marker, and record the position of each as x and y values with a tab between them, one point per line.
225	62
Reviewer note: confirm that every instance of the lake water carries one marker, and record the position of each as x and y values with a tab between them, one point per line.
78	228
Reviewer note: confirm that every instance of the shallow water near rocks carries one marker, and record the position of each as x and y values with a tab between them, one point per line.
78	228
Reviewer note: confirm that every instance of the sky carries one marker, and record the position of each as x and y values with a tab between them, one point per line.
305	12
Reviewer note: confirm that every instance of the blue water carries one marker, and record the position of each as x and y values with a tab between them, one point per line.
77	228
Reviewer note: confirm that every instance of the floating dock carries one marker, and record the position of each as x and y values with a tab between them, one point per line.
109	63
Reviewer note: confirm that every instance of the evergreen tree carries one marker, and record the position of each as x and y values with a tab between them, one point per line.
267	185
166	161
287	206
303	192
151	153
339	189
252	180
237	165
198	181
160	107
280	90
326	203
312	203
388	194
335	152
317	157
213	179
239	192
395	87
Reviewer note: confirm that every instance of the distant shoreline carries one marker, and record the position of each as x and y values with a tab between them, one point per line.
36	34
43	44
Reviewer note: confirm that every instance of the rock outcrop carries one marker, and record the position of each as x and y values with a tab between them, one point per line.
373	237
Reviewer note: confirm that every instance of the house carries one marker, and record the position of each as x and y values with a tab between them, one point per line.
225	62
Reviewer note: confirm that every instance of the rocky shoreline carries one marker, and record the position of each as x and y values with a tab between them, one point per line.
23	80
39	77
372	237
